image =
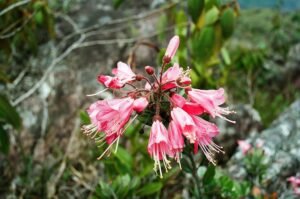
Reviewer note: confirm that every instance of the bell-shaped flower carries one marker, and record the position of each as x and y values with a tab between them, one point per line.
189	107
176	140
185	123
158	146
175	77
205	132
109	116
110	82
123	74
210	100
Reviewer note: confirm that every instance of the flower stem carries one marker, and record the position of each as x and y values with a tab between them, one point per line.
145	78
195	177
161	72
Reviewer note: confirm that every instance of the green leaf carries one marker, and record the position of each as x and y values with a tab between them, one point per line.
148	169
226	183
146	117
121	186
150	189
203	44
186	166
225	56
227	22
180	19
211	16
124	157
4	141
117	3
84	117
195	8
211	3
38	5
39	17
105	190
209	174
8	113
135	182
133	129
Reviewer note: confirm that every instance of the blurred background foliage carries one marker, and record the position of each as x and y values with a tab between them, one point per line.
243	50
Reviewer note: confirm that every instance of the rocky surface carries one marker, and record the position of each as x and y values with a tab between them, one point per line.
248	124
282	149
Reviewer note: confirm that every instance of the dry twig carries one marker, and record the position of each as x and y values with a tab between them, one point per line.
13	6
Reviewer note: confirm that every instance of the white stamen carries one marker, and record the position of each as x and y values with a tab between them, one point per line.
106	149
97	93
116	140
117	144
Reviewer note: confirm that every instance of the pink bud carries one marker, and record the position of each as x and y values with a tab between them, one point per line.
171	49
139	77
140	104
149	70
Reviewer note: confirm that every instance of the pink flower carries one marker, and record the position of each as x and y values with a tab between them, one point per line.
295	184
185	123
110	82
205	132
174	74
109	116
244	146
170	76
176	140
123	74
158	146
171	49
210	100
140	104
189	107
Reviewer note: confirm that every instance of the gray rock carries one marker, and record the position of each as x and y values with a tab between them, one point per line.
248	123
282	149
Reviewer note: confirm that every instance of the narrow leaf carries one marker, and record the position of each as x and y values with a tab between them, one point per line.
4	141
209	174
8	113
150	189
195	8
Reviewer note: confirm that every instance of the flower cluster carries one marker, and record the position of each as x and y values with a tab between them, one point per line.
161	98
295	184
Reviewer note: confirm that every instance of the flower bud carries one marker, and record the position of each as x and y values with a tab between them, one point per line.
139	77
166	59
171	49
149	70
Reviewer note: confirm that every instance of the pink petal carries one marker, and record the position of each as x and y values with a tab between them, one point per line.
172	47
140	104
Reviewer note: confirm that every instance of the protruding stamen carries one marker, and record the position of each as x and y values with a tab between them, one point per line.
97	93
